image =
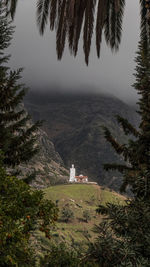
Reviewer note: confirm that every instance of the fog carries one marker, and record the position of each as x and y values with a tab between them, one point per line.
112	73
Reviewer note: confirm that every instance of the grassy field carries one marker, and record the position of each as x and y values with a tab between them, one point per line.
78	198
82	193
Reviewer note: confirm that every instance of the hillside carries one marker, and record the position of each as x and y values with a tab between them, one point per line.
74	124
78	198
47	164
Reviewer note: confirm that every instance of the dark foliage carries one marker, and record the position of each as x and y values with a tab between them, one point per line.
60	255
124	235
17	134
69	17
22	210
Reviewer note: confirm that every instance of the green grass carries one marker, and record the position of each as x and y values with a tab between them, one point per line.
112	197
92	195
76	191
79	197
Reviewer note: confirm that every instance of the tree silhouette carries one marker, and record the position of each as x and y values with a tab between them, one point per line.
11	7
17	134
123	237
70	17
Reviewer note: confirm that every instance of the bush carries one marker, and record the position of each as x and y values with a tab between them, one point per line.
67	214
86	215
22	210
60	256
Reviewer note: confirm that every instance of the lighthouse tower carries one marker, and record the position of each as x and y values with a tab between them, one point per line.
72	174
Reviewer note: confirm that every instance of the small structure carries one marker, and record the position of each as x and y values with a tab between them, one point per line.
81	178
72	174
77	179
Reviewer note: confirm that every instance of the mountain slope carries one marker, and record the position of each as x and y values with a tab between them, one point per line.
78	198
47	164
74	123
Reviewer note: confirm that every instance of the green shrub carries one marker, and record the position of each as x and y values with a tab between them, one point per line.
67	214
86	215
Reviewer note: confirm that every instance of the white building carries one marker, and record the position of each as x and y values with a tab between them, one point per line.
79	179
72	174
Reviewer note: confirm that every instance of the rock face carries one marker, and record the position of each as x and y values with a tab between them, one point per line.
74	124
47	164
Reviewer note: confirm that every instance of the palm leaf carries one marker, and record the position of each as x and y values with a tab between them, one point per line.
101	16
61	30
42	14
53	13
88	28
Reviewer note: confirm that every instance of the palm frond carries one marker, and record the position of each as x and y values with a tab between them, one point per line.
101	17
116	19
79	16
88	28
62	29
42	14
53	13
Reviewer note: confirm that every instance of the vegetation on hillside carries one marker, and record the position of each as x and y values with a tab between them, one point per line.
22	210
82	201
125	232
60	255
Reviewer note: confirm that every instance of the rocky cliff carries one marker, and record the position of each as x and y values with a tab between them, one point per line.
74	123
47	164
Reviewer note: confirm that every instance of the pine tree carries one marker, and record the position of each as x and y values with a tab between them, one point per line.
124	236
17	135
22	209
136	153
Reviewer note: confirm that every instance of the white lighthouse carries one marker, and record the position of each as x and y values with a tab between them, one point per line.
72	174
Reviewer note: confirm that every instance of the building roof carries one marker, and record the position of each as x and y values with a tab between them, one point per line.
81	177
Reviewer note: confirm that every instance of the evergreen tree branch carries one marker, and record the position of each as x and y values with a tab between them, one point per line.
127	127
120	149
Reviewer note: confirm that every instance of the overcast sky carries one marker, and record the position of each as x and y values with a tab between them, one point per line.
37	54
